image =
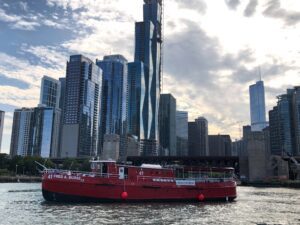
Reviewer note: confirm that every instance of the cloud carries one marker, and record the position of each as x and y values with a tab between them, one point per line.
232	4
197	5
7	81
274	10
251	8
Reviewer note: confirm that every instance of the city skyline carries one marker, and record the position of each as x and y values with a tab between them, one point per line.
225	61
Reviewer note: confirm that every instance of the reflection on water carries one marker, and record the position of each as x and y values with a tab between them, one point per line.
24	204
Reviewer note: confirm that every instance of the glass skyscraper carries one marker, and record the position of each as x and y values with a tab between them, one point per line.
2	113
167	125
257	106
182	133
81	108
114	95
135	73
148	45
50	92
44	132
281	126
20	137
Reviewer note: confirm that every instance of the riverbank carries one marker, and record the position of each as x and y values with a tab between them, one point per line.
287	184
22	179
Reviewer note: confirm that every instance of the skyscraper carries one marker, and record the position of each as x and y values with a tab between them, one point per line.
2	113
81	109
20	137
198	137
167	125
296	119
182	133
44	132
114	95
135	73
50	92
220	145
281	126
148	46
257	106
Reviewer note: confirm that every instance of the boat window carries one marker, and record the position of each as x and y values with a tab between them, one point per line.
126	172
104	168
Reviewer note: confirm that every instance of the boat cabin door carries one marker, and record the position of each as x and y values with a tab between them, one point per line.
121	173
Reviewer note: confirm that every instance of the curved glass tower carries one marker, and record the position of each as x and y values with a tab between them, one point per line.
148	45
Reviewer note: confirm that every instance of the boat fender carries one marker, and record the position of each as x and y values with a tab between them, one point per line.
201	197
124	195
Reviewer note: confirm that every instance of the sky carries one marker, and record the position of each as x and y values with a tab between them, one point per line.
213	50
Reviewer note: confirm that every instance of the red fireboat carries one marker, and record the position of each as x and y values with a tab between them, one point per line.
113	182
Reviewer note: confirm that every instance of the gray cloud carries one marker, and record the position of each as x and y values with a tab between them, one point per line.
274	10
251	8
7	81
198	5
232	4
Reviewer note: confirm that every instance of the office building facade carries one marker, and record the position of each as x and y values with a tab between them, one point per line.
148	46
2	114
220	145
50	92
182	133
81	108
198	137
282	131
20	137
135	74
257	106
114	99
167	125
44	132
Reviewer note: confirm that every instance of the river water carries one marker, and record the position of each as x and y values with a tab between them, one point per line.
24	204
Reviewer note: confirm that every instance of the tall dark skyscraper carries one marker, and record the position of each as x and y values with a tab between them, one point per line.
182	133
81	109
148	47
135	73
167	125
2	113
198	137
114	99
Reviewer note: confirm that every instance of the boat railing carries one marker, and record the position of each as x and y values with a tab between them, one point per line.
81	173
173	179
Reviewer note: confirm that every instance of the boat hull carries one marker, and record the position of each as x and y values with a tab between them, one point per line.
105	190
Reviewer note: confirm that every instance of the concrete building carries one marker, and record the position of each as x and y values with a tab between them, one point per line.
167	124
133	146
2	114
111	147
257	106
81	109
198	137
20	138
182	133
220	145
148	50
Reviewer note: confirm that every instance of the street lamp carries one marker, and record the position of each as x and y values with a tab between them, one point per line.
16	169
